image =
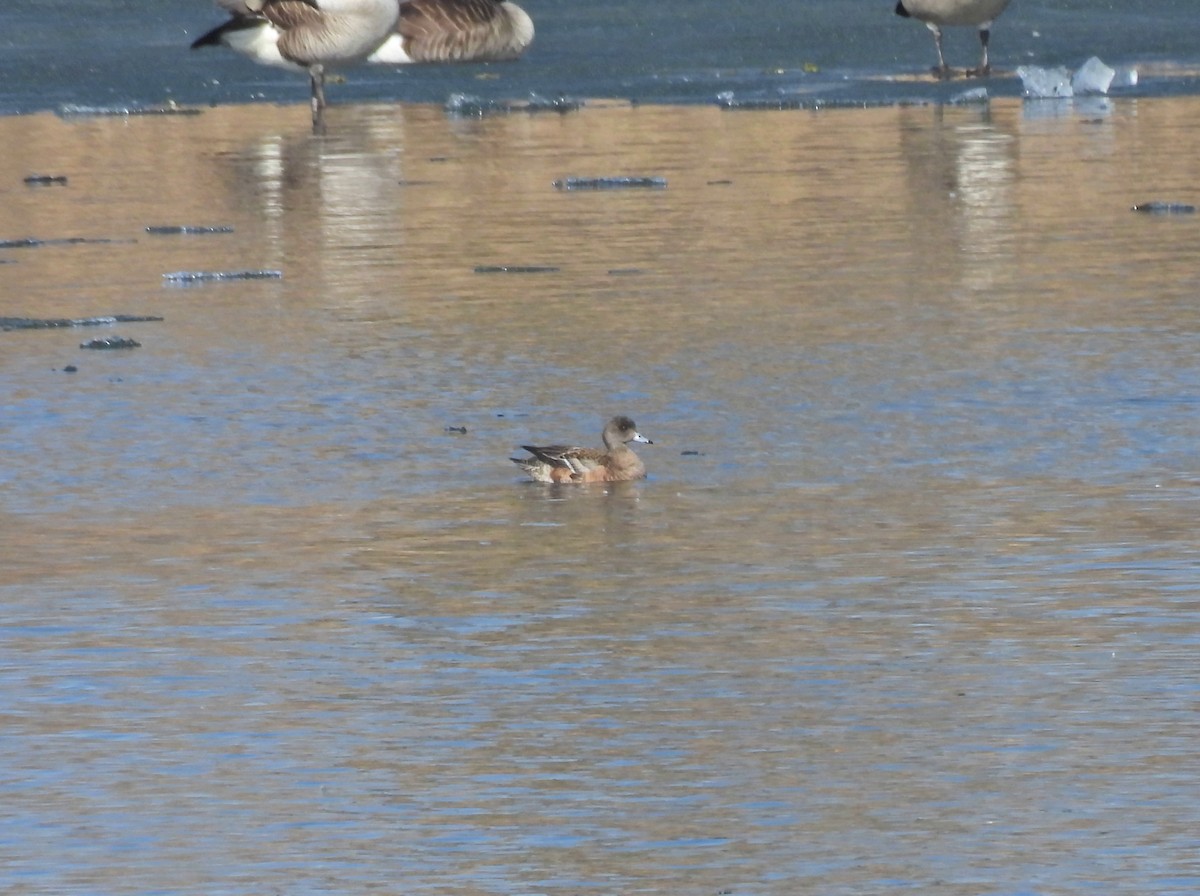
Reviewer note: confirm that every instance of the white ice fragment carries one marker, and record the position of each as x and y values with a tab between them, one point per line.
1125	77
1092	77
1045	83
969	97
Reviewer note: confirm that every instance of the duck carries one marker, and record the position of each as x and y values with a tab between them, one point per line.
456	31
616	463
937	13
305	35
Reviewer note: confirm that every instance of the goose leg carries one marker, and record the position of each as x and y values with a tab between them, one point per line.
942	70
317	74
984	67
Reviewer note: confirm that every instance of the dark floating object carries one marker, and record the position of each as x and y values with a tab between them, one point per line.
1164	208
31	243
461	430
468	106
625	272
111	342
46	180
70	110
515	269
168	229
611	183
70	368
49	323
727	100
691	453
205	276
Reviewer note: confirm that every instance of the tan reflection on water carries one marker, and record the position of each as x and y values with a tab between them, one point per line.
908	600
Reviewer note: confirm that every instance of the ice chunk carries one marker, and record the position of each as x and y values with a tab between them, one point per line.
970	97
1125	77
1092	77
1045	83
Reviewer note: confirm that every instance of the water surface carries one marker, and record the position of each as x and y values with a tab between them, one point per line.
908	602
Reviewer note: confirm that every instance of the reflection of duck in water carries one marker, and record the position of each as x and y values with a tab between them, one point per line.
305	35
936	13
560	463
457	31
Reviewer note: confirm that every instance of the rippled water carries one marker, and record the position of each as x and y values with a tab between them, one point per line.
908	602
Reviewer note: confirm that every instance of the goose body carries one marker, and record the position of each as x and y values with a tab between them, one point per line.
457	31
305	35
562	463
938	13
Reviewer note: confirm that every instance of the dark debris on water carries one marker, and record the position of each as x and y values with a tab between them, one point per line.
1164	208
111	342
34	243
172	229
70	110
515	269
209	276
46	180
466	105
611	183
49	323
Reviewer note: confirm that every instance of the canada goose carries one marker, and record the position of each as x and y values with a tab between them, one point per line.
936	13
457	31
305	35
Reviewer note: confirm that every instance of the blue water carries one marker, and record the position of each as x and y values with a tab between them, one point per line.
99	53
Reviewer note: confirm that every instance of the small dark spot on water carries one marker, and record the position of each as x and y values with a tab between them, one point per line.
723	182
461	430
625	272
70	368
691	453
46	180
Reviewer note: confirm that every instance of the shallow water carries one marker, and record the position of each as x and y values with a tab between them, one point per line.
908	601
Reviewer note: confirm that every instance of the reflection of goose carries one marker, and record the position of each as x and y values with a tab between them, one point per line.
305	35
936	13
457	31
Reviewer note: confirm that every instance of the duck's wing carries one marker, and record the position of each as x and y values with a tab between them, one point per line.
570	457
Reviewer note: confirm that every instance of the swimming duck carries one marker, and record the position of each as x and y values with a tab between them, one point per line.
616	463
